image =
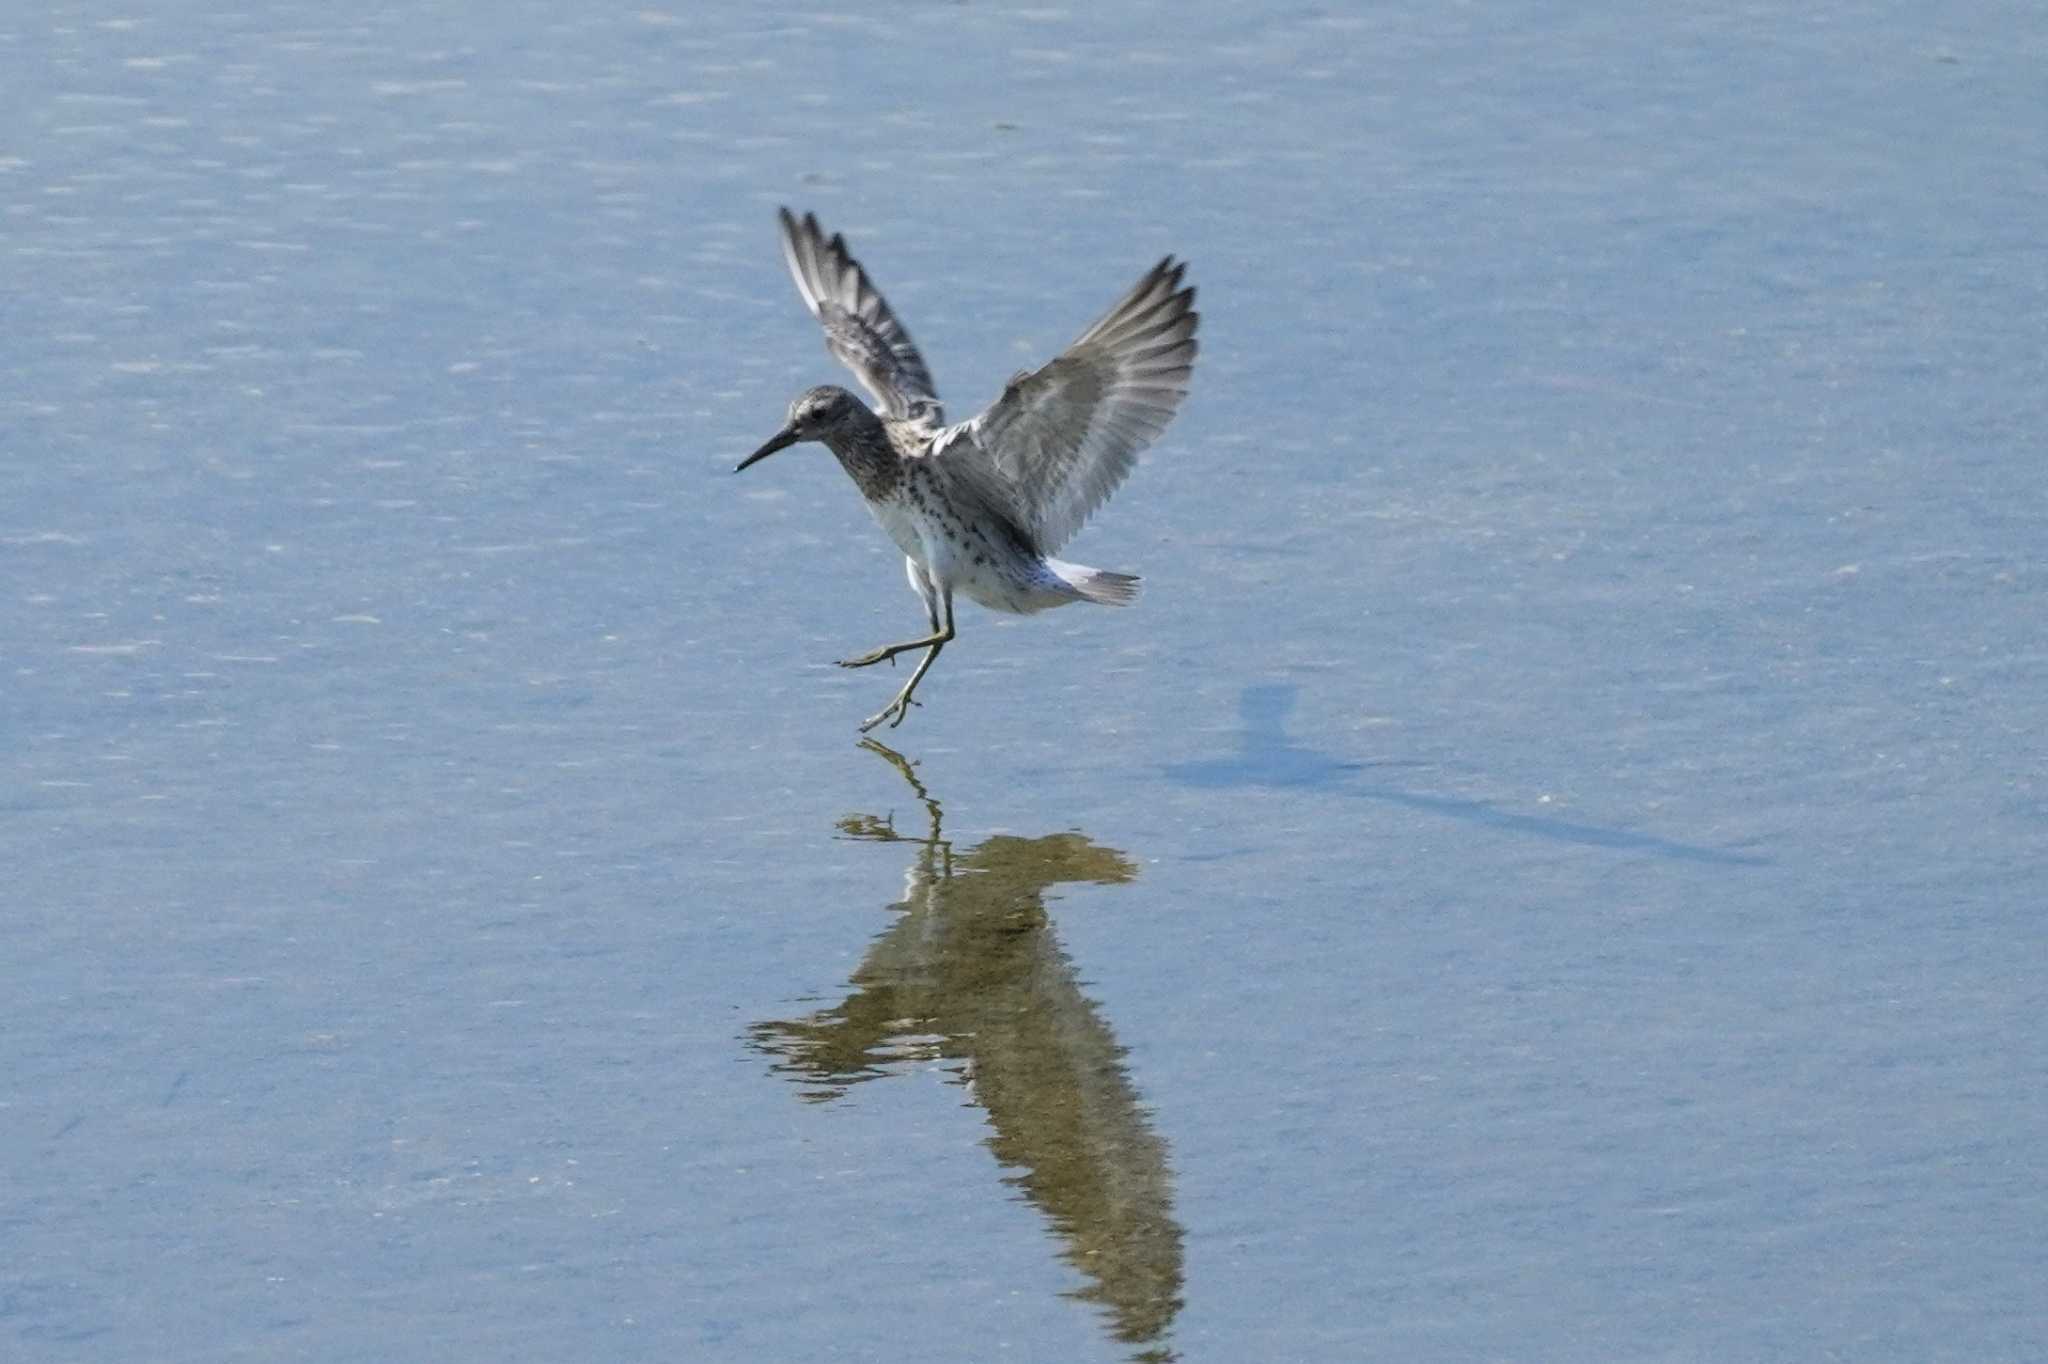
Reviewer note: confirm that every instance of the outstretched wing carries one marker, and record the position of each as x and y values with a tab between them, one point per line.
859	328
1066	435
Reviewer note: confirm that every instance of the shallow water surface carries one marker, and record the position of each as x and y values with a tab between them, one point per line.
1549	870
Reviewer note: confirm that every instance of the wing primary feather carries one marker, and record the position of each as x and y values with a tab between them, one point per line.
860	328
1063	437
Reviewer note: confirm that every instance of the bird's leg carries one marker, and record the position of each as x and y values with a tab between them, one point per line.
931	641
938	636
899	706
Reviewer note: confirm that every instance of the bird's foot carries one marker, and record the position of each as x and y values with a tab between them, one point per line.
888	651
898	708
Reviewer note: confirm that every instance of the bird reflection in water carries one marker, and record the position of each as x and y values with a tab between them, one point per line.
973	974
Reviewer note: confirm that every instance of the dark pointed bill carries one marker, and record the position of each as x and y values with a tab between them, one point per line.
781	440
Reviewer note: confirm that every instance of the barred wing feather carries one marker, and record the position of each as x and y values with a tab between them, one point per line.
859	327
1065	436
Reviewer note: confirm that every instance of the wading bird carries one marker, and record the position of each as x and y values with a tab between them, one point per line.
980	507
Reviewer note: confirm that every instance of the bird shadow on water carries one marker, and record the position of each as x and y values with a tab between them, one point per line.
971	975
1266	757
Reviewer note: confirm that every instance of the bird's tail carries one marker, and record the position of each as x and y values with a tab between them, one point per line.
1097	584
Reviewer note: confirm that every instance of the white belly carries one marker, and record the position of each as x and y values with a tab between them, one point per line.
903	525
974	570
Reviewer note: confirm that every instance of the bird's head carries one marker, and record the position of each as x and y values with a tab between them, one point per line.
815	412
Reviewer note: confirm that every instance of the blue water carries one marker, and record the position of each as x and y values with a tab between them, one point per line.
1551	870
